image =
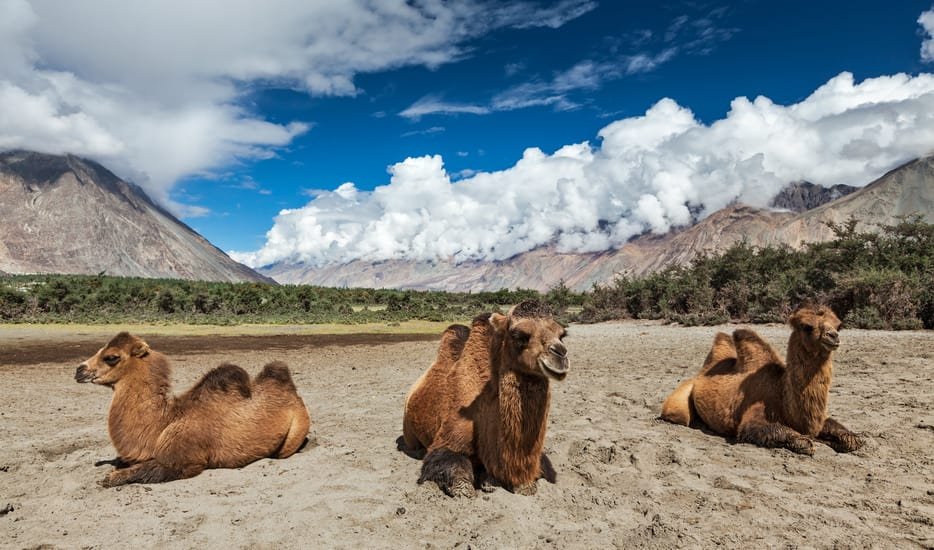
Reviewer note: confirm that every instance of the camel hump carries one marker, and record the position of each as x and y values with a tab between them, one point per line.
459	332
276	371
482	319
721	350
452	343
752	352
226	378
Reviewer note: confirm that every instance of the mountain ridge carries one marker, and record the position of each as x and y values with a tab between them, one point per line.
66	214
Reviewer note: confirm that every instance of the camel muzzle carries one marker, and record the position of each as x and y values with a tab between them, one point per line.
83	375
558	350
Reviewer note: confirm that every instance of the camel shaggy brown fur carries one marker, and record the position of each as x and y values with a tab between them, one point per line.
484	402
745	390
224	421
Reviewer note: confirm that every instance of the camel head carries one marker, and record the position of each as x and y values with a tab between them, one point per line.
113	361
816	328
531	340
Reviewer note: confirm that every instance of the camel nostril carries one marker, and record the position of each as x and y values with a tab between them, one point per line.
558	350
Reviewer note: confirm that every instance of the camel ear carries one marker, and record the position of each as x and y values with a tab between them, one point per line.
140	349
499	321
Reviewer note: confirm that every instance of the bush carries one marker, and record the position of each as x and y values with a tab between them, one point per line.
872	280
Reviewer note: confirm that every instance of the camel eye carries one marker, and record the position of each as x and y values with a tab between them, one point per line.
808	328
520	338
111	359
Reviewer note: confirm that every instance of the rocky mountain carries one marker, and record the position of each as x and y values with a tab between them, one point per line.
908	189
804	195
64	214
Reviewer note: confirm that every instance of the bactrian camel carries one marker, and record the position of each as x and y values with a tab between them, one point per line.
483	404
746	391
225	421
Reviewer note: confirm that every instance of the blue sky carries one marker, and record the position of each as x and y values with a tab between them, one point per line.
475	87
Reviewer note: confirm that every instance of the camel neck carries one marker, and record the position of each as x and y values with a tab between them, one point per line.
512	421
523	405
806	387
141	408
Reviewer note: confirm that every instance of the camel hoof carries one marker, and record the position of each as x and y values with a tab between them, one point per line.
461	488
801	445
108	481
488	484
848	443
526	490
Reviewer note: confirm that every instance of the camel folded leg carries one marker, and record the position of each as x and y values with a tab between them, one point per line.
677	407
452	472
297	436
838	437
526	490
488	483
150	471
755	428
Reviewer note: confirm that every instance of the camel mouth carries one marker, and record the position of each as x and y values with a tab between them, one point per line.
830	345
557	371
84	376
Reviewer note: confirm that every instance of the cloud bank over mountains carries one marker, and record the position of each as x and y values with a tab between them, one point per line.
645	174
157	94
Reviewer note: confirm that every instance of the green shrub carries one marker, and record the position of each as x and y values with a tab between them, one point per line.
877	280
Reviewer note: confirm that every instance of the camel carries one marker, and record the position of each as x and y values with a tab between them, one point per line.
744	390
224	421
484	402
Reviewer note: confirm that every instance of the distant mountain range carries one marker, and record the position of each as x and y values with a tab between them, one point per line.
64	214
801	213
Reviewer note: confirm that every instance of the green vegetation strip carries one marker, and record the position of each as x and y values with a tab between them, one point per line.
877	280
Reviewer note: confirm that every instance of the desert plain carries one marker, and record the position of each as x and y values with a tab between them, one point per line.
625	479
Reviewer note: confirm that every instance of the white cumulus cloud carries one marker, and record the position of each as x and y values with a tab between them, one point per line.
646	174
927	46
155	90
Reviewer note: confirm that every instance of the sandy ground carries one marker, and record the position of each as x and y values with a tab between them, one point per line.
624	479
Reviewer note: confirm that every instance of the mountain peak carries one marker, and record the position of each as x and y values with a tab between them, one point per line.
803	196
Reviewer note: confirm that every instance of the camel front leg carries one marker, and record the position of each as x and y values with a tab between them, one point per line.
838	437
150	471
526	490
755	428
453	472
488	484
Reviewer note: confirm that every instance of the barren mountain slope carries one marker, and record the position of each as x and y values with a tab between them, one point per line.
63	214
